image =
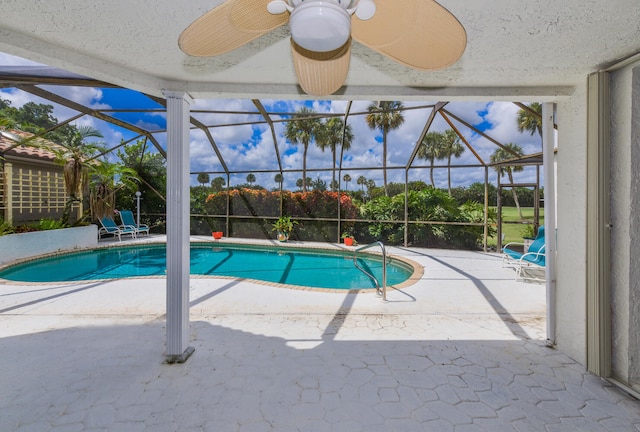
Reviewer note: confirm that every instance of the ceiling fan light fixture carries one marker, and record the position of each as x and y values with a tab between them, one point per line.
320	26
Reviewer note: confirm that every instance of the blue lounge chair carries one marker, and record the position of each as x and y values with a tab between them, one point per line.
524	262
126	216
109	227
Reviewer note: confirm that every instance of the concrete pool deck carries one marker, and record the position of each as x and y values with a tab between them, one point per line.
463	349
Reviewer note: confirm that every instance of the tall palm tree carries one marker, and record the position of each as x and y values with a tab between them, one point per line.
431	149
106	179
331	134
203	179
303	131
452	147
501	154
386	116
251	178
278	179
362	181
218	183
528	121
346	178
300	182
74	155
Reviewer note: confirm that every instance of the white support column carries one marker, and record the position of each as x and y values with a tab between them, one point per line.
178	112
548	156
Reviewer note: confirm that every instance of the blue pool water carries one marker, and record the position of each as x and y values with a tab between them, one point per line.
303	267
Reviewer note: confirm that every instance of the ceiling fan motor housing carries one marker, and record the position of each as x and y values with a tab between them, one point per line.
344	3
320	25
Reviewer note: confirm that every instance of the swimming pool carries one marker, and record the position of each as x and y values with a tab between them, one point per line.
316	268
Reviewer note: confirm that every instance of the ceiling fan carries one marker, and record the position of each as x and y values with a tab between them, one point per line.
417	33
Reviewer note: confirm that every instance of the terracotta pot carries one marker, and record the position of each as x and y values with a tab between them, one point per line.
348	241
283	236
217	235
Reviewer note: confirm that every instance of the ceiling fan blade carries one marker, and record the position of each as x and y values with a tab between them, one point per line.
321	73
229	26
417	33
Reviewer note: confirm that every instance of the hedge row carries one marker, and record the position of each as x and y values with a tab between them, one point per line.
253	212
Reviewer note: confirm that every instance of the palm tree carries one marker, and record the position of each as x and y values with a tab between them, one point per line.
278	179
300	182
318	185
370	186
74	155
203	179
502	154
303	131
332	134
530	122
103	188
362	181
251	178
218	183
346	178
386	116
452	147
431	149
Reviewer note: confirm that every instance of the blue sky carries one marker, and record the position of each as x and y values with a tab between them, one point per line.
246	147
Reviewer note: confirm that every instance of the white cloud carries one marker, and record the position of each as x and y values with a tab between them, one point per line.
248	146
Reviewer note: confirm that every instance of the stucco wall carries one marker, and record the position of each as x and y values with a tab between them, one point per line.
18	246
571	211
625	218
620	236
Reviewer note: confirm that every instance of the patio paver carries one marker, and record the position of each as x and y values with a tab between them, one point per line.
461	350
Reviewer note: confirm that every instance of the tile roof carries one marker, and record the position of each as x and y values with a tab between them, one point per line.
33	150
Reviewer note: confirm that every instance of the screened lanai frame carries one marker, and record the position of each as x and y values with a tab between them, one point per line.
31	80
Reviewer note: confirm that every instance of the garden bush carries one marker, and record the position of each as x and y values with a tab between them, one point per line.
301	206
258	208
432	205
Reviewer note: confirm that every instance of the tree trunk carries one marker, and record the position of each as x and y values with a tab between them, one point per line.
449	172
515	195
333	177
384	160
304	168
433	184
66	212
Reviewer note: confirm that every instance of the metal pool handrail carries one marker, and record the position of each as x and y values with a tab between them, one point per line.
382	291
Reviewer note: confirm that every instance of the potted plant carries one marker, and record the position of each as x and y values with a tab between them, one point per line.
347	238
217	235
283	226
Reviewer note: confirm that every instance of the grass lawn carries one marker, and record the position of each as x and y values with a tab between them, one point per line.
512	226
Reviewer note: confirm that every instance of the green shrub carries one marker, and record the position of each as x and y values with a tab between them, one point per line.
5	227
429	205
528	232
50	224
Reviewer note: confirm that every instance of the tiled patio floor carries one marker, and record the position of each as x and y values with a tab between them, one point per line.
461	350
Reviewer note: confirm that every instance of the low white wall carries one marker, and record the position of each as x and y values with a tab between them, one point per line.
24	245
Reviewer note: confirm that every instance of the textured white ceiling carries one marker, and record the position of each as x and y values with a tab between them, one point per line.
515	48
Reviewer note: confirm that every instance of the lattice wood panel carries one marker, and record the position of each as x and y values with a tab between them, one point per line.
37	192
